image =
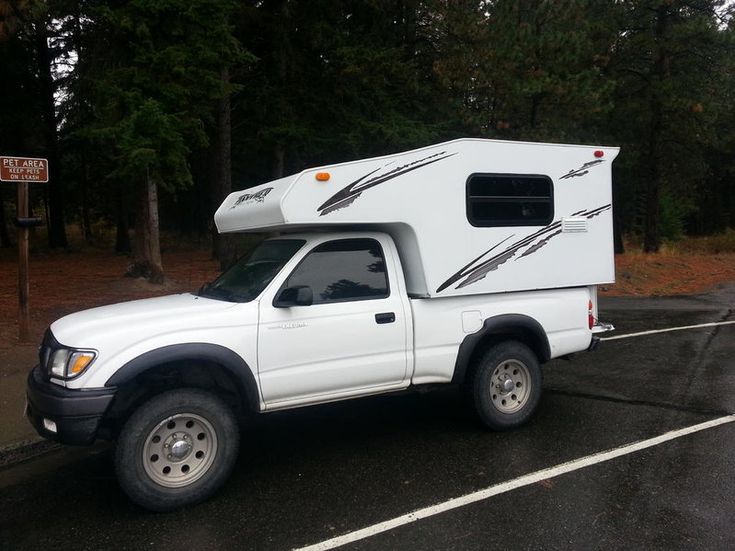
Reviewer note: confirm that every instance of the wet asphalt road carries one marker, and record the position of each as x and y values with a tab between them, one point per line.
309	475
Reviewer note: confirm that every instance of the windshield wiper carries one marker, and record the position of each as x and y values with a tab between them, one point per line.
207	290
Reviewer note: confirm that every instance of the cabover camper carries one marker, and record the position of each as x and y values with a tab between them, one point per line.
471	262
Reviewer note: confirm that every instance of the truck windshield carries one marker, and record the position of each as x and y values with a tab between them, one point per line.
253	272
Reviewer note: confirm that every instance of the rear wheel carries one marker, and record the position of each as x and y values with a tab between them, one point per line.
176	449
506	385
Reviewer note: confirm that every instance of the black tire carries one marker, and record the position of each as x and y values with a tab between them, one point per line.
212	424
498	406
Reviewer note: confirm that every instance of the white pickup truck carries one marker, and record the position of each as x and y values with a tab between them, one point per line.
471	262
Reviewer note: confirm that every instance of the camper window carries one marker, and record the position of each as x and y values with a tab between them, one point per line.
509	200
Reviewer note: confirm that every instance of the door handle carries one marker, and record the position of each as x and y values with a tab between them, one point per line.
386	317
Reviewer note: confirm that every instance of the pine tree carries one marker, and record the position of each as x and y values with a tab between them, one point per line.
157	75
530	69
666	107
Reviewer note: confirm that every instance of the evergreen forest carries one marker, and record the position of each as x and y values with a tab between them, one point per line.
151	111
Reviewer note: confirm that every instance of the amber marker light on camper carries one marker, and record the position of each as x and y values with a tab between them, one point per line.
322	176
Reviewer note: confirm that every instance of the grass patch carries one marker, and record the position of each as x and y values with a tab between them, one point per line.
711	244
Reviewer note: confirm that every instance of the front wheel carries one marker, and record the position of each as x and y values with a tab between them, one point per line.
506	385
176	449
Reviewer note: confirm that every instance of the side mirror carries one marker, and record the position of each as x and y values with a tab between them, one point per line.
298	295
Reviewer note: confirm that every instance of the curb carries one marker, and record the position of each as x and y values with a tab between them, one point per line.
24	450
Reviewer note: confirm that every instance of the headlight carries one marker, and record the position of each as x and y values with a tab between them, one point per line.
58	362
68	364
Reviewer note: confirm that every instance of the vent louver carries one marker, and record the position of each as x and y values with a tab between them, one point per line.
574	225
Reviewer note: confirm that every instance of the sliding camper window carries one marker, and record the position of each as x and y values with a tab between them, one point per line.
495	200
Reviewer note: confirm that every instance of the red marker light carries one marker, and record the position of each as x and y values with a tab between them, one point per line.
599	153
590	315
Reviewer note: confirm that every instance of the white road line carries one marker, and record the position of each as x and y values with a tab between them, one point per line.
509	485
654	331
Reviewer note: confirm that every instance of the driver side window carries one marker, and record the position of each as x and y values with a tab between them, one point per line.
343	270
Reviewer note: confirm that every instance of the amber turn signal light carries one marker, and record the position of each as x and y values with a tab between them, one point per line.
79	362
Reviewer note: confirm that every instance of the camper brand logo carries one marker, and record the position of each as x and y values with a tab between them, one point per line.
249	198
479	268
346	196
582	170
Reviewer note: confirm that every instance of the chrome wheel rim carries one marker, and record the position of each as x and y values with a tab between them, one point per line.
179	450
510	386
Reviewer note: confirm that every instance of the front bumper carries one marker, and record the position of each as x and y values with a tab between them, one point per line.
76	413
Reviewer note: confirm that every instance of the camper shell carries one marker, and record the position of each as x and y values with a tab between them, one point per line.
469	216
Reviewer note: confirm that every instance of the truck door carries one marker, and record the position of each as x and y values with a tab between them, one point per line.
350	340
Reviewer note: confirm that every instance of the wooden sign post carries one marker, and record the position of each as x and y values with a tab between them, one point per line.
23	170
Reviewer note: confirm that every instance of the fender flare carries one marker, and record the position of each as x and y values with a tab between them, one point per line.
501	325
220	355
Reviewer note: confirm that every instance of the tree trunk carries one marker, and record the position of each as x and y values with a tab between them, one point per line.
122	235
221	181
4	235
618	229
86	222
147	253
651	233
56	229
535	102
84	116
661	73
279	158
46	214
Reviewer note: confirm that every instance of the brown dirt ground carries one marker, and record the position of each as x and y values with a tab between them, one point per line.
670	273
65	282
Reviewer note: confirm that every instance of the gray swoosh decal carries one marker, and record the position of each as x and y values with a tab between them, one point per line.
346	196
582	170
478	269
